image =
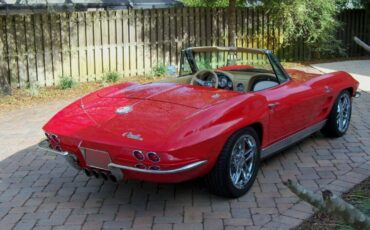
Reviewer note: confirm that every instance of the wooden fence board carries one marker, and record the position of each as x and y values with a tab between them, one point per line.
39	48
22	51
146	40
140	40
90	52
126	49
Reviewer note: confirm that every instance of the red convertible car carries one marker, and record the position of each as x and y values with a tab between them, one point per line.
229	109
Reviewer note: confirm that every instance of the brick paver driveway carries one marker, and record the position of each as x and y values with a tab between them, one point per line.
42	192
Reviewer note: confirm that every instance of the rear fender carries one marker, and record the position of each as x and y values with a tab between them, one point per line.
210	128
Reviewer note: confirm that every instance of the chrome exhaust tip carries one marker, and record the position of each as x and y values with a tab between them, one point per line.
95	173
87	172
113	178
104	175
357	94
116	173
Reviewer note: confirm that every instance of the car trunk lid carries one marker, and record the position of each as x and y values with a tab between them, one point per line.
184	95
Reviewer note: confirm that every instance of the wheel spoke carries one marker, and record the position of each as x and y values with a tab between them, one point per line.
248	155
339	108
245	174
237	176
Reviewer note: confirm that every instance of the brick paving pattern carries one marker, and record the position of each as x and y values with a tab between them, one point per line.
40	191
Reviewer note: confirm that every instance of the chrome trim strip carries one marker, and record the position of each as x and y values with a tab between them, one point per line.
280	145
178	170
70	158
44	144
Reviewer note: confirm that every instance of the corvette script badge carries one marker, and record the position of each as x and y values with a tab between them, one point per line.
133	136
124	110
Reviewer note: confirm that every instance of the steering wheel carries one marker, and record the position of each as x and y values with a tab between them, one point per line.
202	78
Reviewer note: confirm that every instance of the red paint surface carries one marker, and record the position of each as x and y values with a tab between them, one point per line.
185	124
235	67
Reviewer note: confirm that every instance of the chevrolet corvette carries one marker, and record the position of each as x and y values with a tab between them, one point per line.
228	109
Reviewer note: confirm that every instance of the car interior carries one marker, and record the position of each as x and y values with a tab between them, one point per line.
246	71
237	80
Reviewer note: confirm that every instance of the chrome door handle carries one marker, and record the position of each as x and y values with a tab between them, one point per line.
273	105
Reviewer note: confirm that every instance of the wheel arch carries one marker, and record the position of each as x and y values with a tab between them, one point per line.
350	90
258	127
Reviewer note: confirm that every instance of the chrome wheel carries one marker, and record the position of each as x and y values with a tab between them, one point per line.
343	112
242	161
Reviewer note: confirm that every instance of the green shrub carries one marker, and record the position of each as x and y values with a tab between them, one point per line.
111	77
159	70
66	82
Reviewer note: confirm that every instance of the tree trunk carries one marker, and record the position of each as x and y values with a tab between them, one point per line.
232	23
333	204
362	44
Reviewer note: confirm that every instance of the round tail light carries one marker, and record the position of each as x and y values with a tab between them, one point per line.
140	166
154	167
153	157
138	155
55	138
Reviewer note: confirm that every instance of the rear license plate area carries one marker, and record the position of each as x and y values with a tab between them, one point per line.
96	158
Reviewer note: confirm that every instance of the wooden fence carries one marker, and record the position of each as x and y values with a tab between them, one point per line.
40	48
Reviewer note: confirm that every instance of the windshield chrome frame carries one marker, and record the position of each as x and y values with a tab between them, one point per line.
188	54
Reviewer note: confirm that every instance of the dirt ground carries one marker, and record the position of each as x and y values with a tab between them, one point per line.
26	98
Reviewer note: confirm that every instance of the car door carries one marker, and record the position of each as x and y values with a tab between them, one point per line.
291	106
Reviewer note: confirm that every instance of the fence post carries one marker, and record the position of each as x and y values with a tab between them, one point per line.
4	84
367	21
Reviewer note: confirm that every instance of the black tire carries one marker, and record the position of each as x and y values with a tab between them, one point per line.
332	127
219	179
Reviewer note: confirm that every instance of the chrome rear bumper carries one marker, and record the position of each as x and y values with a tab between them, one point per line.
69	157
116	169
172	171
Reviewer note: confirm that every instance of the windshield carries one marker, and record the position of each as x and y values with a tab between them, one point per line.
228	60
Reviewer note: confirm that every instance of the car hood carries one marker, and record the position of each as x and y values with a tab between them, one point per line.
185	95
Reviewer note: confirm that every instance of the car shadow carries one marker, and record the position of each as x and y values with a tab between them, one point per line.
38	175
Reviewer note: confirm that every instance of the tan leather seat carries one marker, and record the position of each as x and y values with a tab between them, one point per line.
259	79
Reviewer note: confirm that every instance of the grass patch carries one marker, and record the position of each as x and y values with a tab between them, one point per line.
158	70
66	82
111	77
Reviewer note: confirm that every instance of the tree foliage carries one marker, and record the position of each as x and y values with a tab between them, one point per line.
312	20
211	3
